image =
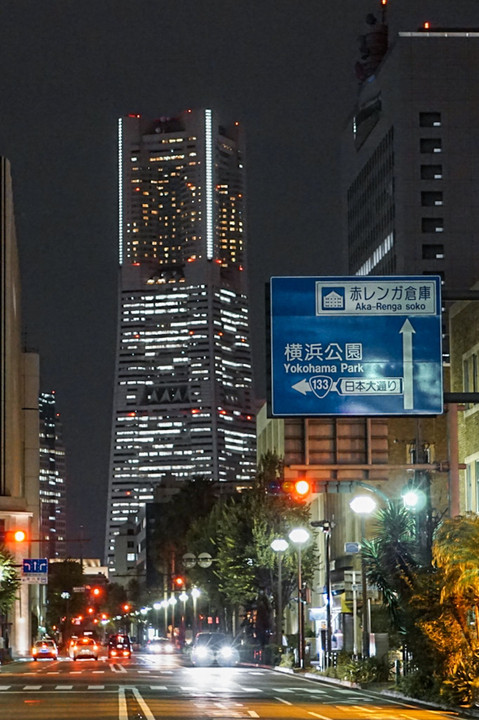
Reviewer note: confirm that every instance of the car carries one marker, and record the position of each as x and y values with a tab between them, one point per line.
210	648
85	647
160	646
119	646
45	648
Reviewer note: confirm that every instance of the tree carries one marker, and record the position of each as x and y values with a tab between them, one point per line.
9	581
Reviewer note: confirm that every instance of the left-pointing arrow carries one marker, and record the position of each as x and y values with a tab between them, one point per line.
407	331
302	386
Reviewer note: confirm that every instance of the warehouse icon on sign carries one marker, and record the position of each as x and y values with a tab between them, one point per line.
332	298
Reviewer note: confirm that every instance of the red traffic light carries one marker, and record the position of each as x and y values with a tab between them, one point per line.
179	581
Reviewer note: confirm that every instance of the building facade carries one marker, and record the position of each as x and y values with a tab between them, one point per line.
183	388
409	158
52	479
19	446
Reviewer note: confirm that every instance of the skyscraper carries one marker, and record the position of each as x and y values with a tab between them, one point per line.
52	479
183	387
410	154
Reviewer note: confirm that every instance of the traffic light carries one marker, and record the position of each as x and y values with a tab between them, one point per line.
12	536
298	490
179	582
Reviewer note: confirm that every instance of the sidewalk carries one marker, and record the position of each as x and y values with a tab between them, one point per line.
378	689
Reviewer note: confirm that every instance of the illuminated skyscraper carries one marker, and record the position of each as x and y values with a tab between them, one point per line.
52	479
183	387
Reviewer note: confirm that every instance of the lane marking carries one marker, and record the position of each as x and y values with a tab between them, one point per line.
252	713
321	717
286	702
158	687
247	689
122	707
284	690
32	687
95	687
5	687
144	707
64	687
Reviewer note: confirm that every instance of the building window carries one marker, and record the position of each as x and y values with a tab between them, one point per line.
432	225
433	252
430	145
431	172
430	119
431	198
130	557
468	497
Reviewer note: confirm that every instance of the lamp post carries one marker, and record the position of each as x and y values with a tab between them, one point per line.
195	593
157	606
279	545
298	537
183	597
172	602
364	505
326	526
164	605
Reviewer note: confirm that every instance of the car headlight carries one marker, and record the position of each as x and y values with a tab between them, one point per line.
202	653
226	652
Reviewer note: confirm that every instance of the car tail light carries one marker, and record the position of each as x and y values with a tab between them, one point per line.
125	653
113	652
95	647
34	651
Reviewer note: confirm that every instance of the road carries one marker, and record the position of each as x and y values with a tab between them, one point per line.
148	688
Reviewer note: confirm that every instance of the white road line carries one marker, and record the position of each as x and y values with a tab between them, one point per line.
144	707
32	687
143	672
53	672
64	687
75	672
5	687
95	687
97	672
321	717
158	687
286	702
284	690
247	689
252	713
122	707
316	691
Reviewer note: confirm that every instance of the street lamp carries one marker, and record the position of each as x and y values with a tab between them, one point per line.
195	593
299	536
172	602
279	545
164	605
157	606
326	527
364	505
183	597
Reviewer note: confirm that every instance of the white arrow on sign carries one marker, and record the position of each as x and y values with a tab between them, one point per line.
302	386
407	331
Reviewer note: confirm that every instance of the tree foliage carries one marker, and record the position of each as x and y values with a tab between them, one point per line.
9	581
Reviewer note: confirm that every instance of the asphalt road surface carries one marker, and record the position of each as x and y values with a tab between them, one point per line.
148	688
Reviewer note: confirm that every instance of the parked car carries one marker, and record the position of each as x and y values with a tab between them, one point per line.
160	646
210	648
119	646
45	648
85	647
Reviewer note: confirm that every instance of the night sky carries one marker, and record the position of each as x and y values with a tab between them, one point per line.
69	69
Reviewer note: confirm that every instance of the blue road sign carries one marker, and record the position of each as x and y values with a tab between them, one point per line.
36	566
356	346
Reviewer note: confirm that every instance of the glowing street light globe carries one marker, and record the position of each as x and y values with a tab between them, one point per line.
299	536
363	504
279	545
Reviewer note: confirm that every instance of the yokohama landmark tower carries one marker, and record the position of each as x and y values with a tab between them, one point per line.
183	387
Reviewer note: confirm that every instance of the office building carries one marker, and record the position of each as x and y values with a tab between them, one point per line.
19	447
409	157
52	479
183	386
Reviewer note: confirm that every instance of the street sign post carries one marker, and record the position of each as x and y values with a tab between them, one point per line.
356	346
34	571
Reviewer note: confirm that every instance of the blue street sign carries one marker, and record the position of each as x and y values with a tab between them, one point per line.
35	566
356	346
